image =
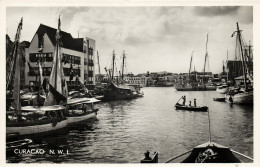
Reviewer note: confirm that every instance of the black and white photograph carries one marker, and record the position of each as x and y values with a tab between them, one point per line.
124	84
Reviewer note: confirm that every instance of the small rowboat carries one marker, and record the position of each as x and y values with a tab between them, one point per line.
190	108
10	146
220	99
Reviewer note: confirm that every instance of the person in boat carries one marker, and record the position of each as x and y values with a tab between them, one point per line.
230	100
195	104
184	100
147	156
190	104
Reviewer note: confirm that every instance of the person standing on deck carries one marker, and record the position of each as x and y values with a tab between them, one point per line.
190	104
184	100
195	104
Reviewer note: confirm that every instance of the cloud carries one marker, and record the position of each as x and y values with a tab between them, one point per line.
127	25
245	15
155	38
216	10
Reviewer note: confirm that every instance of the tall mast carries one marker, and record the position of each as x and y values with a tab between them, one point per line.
205	59
195	74
123	66
227	66
190	66
57	83
10	75
242	55
98	63
16	67
113	65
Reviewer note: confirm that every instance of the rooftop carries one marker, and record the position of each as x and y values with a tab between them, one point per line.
67	41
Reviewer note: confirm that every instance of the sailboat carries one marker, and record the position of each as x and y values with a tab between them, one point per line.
186	86
78	110
193	85
223	87
206	86
30	120
120	91
243	94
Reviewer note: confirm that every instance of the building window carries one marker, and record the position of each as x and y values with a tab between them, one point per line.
71	59
75	72
40	41
43	57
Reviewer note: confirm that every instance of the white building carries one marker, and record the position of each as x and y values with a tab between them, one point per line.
78	52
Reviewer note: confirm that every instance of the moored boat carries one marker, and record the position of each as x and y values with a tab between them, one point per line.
244	94
36	121
210	86
80	110
220	99
29	120
183	87
241	97
222	89
120	91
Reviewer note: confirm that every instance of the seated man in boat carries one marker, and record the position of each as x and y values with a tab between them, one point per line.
147	156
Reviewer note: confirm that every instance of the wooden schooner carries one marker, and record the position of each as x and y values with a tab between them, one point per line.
33	120
243	94
120	91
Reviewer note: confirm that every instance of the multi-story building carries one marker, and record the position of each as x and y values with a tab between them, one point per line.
77	52
135	80
89	65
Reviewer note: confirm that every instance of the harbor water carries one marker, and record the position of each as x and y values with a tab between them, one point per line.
124	130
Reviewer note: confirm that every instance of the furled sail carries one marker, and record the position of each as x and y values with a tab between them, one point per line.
58	92
14	74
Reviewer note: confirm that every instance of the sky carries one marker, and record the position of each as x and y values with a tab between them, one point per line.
154	38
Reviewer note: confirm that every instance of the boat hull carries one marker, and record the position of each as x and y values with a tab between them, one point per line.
195	88
191	108
120	96
222	90
210	152
221	99
82	119
44	129
241	98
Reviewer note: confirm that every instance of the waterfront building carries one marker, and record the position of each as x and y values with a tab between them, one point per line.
133	80
78	53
